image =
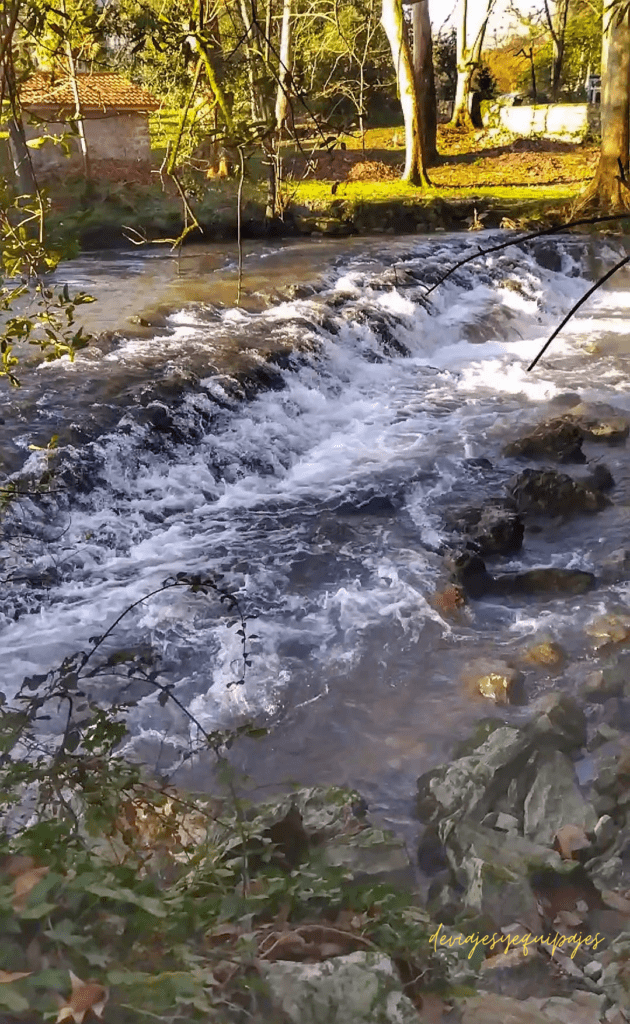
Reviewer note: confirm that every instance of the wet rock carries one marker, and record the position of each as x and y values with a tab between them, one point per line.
496	529
482	729
360	988
547	654
547	256
540	582
496	680
555	800
616	566
601	479
603	734
560	723
606	682
470	572
610	629
616	712
599	422
377	505
547	493
557	439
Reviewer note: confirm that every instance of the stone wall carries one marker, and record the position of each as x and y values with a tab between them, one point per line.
120	138
569	122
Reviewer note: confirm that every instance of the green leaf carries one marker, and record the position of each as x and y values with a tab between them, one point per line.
121	895
13	1001
41	910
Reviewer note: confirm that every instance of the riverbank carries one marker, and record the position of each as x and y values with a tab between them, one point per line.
481	181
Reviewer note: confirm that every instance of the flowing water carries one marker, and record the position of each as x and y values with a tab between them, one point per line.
310	448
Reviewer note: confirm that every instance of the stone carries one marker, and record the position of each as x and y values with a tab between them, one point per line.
493	893
470	785
593	970
469	571
547	493
555	800
372	855
547	653
615	979
606	682
598	422
506	823
360	988
495	529
541	582
557	439
560	723
515	975
496	680
605	832
609	629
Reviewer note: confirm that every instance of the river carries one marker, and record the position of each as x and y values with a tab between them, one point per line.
310	446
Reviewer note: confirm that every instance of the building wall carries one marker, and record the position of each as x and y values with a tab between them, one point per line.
123	138
565	121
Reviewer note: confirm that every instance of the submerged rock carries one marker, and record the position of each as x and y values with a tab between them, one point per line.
599	422
470	572
496	680
547	493
557	439
610	629
547	653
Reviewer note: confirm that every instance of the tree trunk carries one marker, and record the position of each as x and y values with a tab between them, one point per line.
286	65
558	29
468	60
609	191
392	20
425	78
78	114
21	158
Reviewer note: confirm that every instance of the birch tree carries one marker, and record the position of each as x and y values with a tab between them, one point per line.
396	30
468	60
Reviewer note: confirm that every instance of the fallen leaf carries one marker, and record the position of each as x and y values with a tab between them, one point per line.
24	883
85	996
8	976
616	901
569	839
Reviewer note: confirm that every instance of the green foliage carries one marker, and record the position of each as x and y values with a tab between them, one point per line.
45	314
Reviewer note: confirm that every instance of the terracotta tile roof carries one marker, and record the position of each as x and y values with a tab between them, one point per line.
99	90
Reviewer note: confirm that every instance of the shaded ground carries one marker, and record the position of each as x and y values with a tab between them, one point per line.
350	190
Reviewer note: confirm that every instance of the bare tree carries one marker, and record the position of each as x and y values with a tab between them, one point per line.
425	77
610	189
468	60
557	23
396	30
285	64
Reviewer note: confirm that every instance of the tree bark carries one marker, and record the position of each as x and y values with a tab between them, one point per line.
425	78
558	28
286	65
393	22
609	191
468	60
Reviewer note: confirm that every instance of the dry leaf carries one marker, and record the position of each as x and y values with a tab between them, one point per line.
8	976
569	839
24	883
85	996
17	865
616	901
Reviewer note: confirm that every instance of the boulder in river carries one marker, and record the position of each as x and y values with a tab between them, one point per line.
494	529
470	572
547	493
557	439
599	422
610	629
546	654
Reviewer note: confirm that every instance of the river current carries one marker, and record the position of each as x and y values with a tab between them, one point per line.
312	446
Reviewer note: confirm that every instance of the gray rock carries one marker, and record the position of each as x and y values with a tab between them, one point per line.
555	800
515	975
361	988
560	723
606	682
615	979
593	970
471	785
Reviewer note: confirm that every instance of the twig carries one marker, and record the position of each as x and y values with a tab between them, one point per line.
574	308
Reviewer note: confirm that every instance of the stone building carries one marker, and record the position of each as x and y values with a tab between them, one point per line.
115	117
